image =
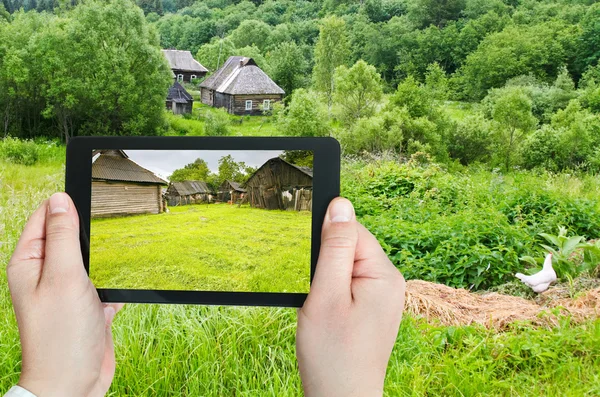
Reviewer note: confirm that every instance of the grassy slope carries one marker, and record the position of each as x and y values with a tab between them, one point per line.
215	247
216	351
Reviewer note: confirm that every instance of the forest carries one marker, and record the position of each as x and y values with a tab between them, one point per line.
501	82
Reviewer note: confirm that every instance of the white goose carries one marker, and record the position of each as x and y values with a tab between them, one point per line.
540	281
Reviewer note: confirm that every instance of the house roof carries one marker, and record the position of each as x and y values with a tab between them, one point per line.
305	170
234	185
179	94
187	188
114	165
241	76
183	60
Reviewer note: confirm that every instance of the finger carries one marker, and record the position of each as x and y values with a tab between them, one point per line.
333	274
107	370
115	306
63	252
25	266
371	261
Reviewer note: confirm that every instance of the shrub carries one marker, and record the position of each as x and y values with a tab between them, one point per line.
217	123
19	151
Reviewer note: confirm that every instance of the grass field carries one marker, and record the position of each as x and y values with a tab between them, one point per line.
183	350
215	247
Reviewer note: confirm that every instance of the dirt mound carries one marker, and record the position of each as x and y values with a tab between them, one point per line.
450	306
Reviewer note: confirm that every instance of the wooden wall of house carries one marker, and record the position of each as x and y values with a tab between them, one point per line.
181	108
122	198
187	76
176	200
278	185
239	103
205	96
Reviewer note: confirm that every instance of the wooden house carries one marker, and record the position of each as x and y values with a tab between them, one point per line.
183	65
188	192
179	101
240	87
278	184
230	191
122	187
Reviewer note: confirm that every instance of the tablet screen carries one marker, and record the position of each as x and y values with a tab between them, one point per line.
201	220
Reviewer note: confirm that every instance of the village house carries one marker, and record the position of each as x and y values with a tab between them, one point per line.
278	184
183	65
230	191
179	101
122	187
240	87
188	192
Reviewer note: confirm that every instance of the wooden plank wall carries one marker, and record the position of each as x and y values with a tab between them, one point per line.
239	103
120	198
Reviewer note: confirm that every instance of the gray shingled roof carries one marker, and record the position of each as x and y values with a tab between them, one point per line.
236	186
241	76
187	188
113	165
179	94
183	60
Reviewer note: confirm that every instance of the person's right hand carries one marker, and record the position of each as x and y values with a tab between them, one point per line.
349	322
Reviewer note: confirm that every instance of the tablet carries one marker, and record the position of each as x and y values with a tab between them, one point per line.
205	220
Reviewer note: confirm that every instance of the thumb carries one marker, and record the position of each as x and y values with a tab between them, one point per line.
63	252
333	274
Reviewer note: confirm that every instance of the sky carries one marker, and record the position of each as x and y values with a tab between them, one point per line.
164	162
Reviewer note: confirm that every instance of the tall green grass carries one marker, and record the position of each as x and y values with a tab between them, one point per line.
227	351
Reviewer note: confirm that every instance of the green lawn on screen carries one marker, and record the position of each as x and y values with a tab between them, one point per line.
216	247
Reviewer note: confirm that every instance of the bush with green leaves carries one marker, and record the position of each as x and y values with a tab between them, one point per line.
19	151
216	122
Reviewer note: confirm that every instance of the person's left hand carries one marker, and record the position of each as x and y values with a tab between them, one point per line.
65	330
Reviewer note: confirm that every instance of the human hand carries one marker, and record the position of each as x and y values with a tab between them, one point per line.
349	322
65	333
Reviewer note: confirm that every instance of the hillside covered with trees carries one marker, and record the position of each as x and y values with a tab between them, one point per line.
501	82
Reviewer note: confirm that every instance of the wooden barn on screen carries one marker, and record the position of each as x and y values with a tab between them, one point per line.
179	101
188	192
184	66
278	184
230	191
240	87
122	187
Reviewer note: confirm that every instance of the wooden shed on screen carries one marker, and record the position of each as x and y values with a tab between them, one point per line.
184	66
230	191
280	185
122	187
240	87
188	192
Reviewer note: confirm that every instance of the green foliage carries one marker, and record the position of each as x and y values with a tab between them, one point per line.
436	81
196	171
416	98
231	170
215	53
331	51
19	151
517	50
472	140
305	116
377	134
217	123
357	90
512	110
251	33
288	66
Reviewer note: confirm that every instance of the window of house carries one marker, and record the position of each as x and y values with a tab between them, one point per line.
248	105
180	77
192	77
266	104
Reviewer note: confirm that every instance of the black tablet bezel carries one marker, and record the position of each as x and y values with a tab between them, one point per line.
326	186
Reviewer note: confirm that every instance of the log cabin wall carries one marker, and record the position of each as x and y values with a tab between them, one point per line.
238	106
122	198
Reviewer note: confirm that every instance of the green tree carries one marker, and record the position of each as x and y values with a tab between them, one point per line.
305	116
331	51
434	12
216	122
196	171
251	32
436	81
231	170
288	66
415	97
589	42
357	90
299	157
214	54
512	110
471	140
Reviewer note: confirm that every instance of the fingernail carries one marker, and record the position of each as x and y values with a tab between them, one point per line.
58	203
341	211
109	314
